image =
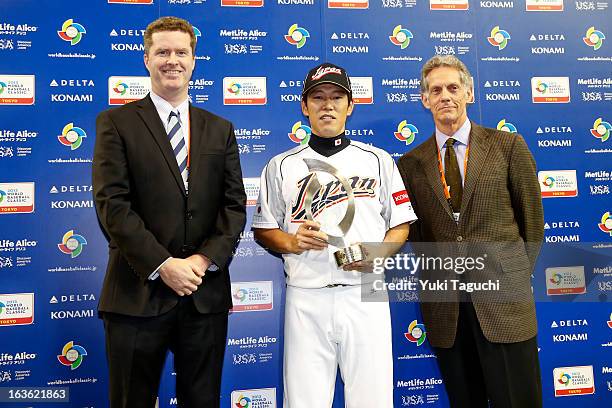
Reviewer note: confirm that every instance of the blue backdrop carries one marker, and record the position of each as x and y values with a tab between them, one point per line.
541	68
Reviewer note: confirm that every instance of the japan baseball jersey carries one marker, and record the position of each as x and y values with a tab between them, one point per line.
381	203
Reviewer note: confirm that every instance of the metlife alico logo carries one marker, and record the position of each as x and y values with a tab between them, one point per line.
451	42
243	40
16	142
16	36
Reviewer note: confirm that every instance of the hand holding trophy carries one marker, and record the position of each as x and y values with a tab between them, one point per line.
347	254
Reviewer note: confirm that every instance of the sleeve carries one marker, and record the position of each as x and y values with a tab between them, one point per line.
270	208
112	192
526	197
231	217
397	208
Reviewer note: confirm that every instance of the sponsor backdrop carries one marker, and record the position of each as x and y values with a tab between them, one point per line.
542	68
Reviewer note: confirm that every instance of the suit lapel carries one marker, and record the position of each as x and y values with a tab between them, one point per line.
430	166
151	119
196	133
479	148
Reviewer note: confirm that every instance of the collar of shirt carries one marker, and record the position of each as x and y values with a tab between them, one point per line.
164	108
462	135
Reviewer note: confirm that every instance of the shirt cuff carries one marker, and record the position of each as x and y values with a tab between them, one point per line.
155	274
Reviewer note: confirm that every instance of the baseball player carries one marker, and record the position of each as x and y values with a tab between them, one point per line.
327	324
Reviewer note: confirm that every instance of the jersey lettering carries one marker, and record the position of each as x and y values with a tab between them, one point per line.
329	195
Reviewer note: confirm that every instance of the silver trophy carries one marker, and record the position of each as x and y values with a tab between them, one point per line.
347	253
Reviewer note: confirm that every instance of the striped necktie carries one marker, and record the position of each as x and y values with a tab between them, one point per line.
177	141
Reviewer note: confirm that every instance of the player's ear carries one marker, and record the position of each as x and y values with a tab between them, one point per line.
304	107
350	107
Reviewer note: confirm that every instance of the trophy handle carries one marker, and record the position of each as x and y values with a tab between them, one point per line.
314	185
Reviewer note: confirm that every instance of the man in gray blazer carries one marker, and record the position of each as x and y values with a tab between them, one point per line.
475	191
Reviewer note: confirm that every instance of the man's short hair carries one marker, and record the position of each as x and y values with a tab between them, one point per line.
169	23
450	61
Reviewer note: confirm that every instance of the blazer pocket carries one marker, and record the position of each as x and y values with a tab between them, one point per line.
515	263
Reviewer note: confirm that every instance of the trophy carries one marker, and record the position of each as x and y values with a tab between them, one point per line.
347	253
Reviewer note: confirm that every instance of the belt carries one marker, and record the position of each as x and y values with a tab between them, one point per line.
336	285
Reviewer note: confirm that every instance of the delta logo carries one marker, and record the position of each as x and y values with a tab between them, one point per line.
416	333
72	32
506	126
300	133
594	38
606	224
72	244
401	36
601	129
72	355
72	136
406	132
297	36
499	38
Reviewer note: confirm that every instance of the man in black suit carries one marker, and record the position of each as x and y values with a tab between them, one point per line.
170	198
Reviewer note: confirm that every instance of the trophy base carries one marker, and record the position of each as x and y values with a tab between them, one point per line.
350	254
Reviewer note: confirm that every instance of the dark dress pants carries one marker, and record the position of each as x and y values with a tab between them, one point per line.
136	349
476	371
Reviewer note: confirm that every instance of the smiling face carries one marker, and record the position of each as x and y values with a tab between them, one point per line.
447	99
327	107
170	62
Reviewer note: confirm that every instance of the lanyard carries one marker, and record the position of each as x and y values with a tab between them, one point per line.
441	169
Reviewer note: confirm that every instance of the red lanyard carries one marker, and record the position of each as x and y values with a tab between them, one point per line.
441	169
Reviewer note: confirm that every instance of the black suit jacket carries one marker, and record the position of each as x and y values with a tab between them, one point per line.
501	215
147	216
